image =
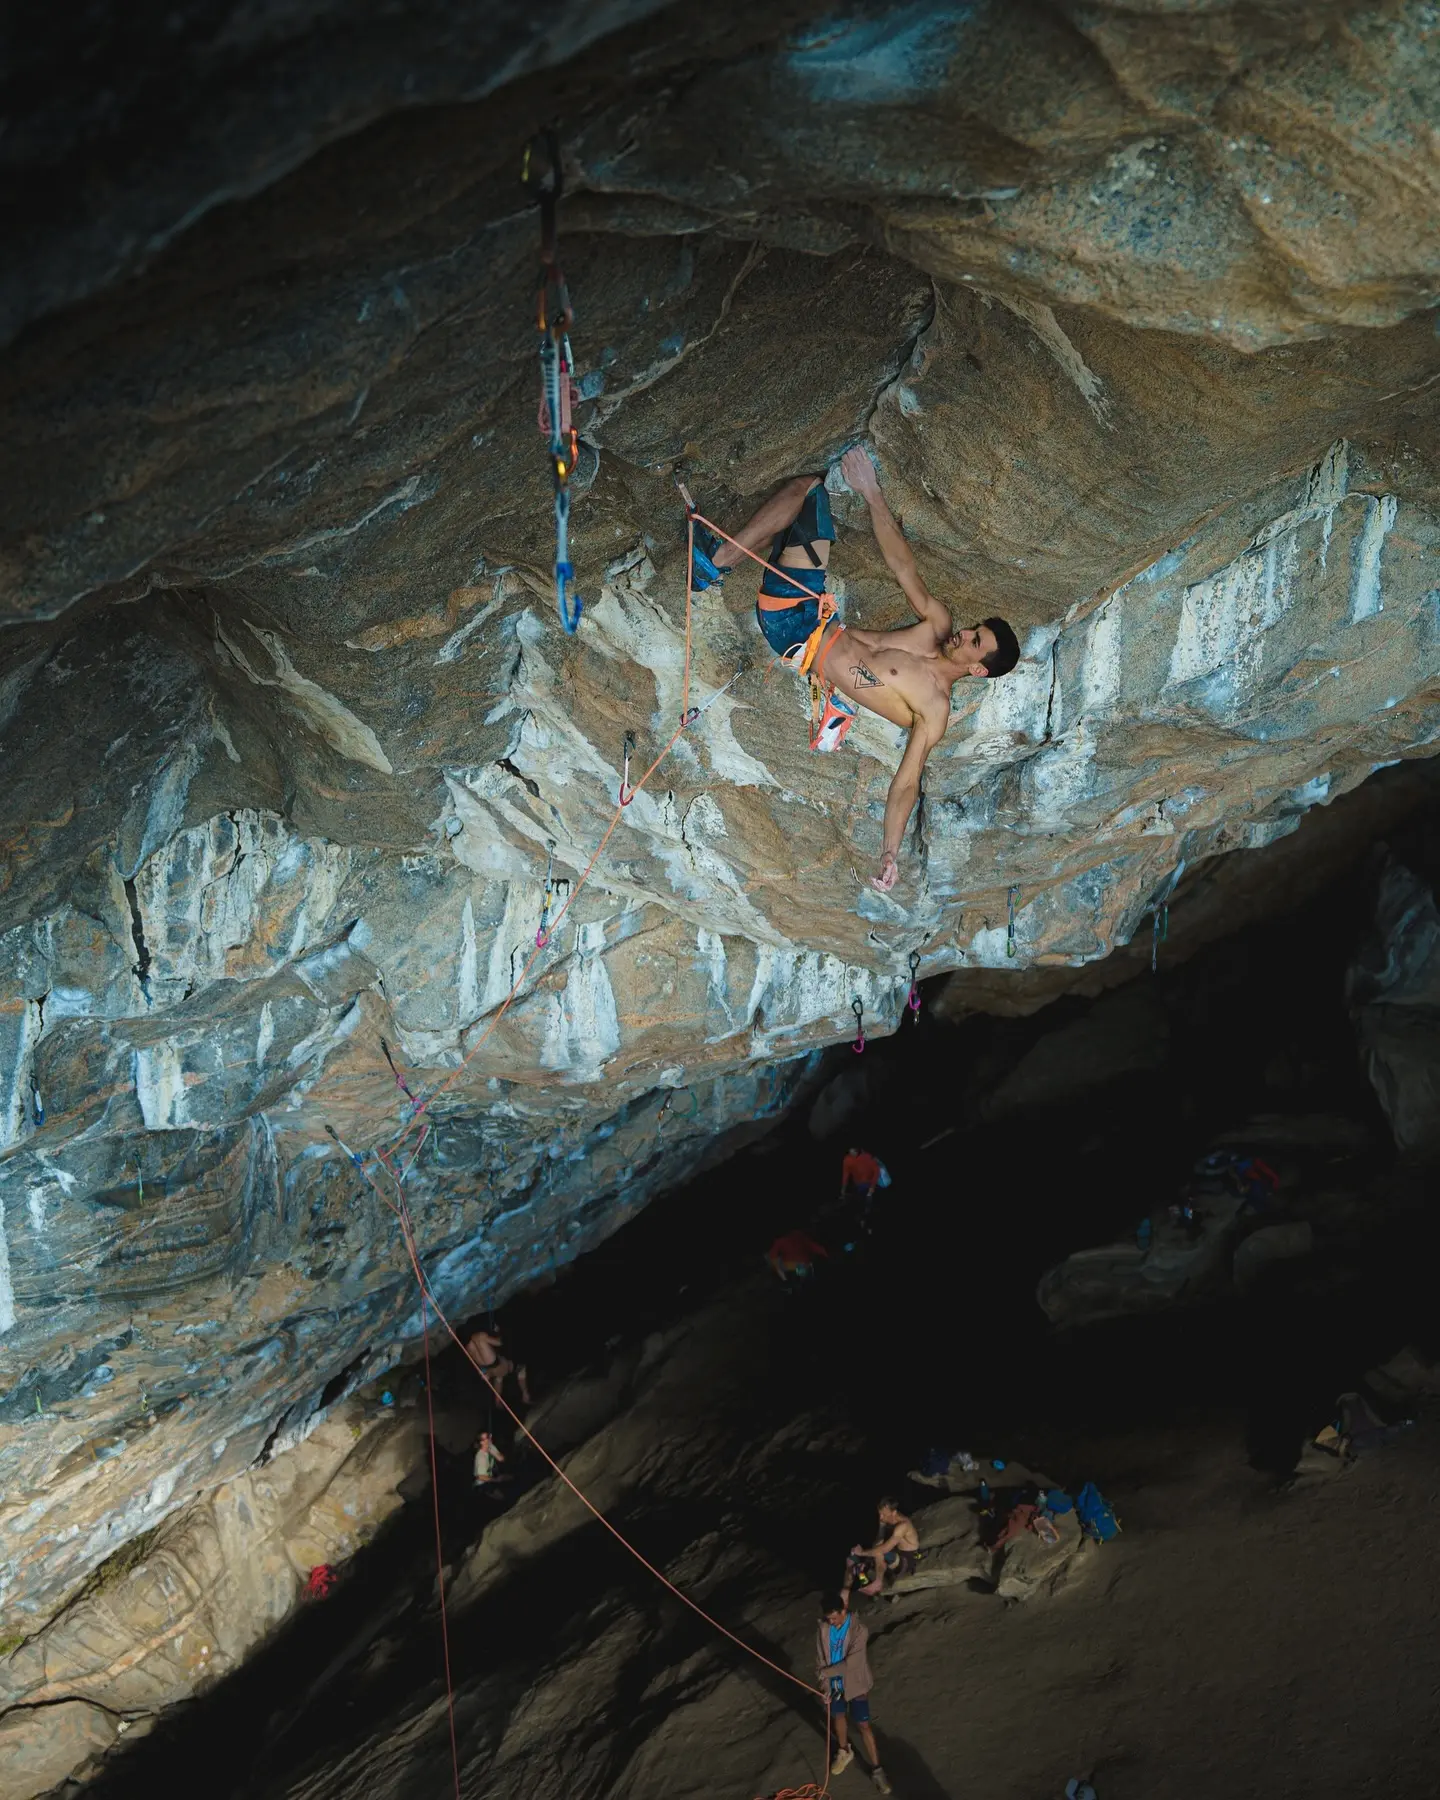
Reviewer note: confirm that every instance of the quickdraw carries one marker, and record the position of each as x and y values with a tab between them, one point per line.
399	1078
912	999
542	936
553	317
1159	931
667	1107
345	1149
320	1582
859	1011
1160	913
627	793
1010	925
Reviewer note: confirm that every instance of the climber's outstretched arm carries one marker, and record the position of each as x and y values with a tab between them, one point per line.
859	471
925	734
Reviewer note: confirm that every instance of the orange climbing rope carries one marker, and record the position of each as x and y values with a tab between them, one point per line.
401	1211
688	715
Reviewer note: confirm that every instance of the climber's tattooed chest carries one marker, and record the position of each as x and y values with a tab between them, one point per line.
865	677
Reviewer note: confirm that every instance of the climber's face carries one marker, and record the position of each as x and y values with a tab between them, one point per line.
969	645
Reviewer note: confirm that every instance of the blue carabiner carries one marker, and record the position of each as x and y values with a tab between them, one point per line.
566	598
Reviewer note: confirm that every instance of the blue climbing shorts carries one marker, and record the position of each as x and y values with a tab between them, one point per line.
858	1708
813	523
788	625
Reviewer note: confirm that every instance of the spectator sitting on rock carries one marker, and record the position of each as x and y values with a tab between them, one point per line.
894	1552
487	1454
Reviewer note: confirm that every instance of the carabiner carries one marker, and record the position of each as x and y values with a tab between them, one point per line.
545	189
627	793
568	602
399	1079
542	936
859	1011
564	570
913	998
1159	931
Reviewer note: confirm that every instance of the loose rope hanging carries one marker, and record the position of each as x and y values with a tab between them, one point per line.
553	318
401	1212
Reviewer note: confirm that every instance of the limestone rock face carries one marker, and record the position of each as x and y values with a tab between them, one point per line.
1131	304
175	1613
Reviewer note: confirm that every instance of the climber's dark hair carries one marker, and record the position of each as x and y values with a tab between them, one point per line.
1003	658
831	1603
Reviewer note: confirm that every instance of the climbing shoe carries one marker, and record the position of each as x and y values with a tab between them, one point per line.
703	572
881	1780
843	1760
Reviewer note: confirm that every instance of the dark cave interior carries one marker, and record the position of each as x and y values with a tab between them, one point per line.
945	1344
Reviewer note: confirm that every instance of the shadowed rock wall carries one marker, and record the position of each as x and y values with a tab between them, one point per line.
1132	306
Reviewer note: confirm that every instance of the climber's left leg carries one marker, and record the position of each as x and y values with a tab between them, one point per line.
714	555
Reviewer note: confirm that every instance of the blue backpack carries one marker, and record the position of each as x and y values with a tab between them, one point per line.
1096	1515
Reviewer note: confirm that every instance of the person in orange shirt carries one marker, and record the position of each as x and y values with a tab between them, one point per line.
792	1257
860	1172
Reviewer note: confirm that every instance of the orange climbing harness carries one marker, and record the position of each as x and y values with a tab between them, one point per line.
830	719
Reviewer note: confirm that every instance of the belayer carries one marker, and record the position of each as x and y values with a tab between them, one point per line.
905	675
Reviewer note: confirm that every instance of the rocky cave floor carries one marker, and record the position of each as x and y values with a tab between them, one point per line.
1252	1632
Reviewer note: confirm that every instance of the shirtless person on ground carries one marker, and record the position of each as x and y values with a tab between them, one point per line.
893	1552
906	675
484	1350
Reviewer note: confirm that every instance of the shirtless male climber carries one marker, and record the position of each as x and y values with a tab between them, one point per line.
484	1350
905	675
893	1552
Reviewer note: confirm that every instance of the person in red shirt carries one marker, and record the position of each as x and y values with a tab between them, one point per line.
861	1173
792	1257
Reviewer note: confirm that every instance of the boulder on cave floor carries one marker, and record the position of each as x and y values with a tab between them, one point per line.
1274	1190
1409	1376
957	1555
1113	1281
